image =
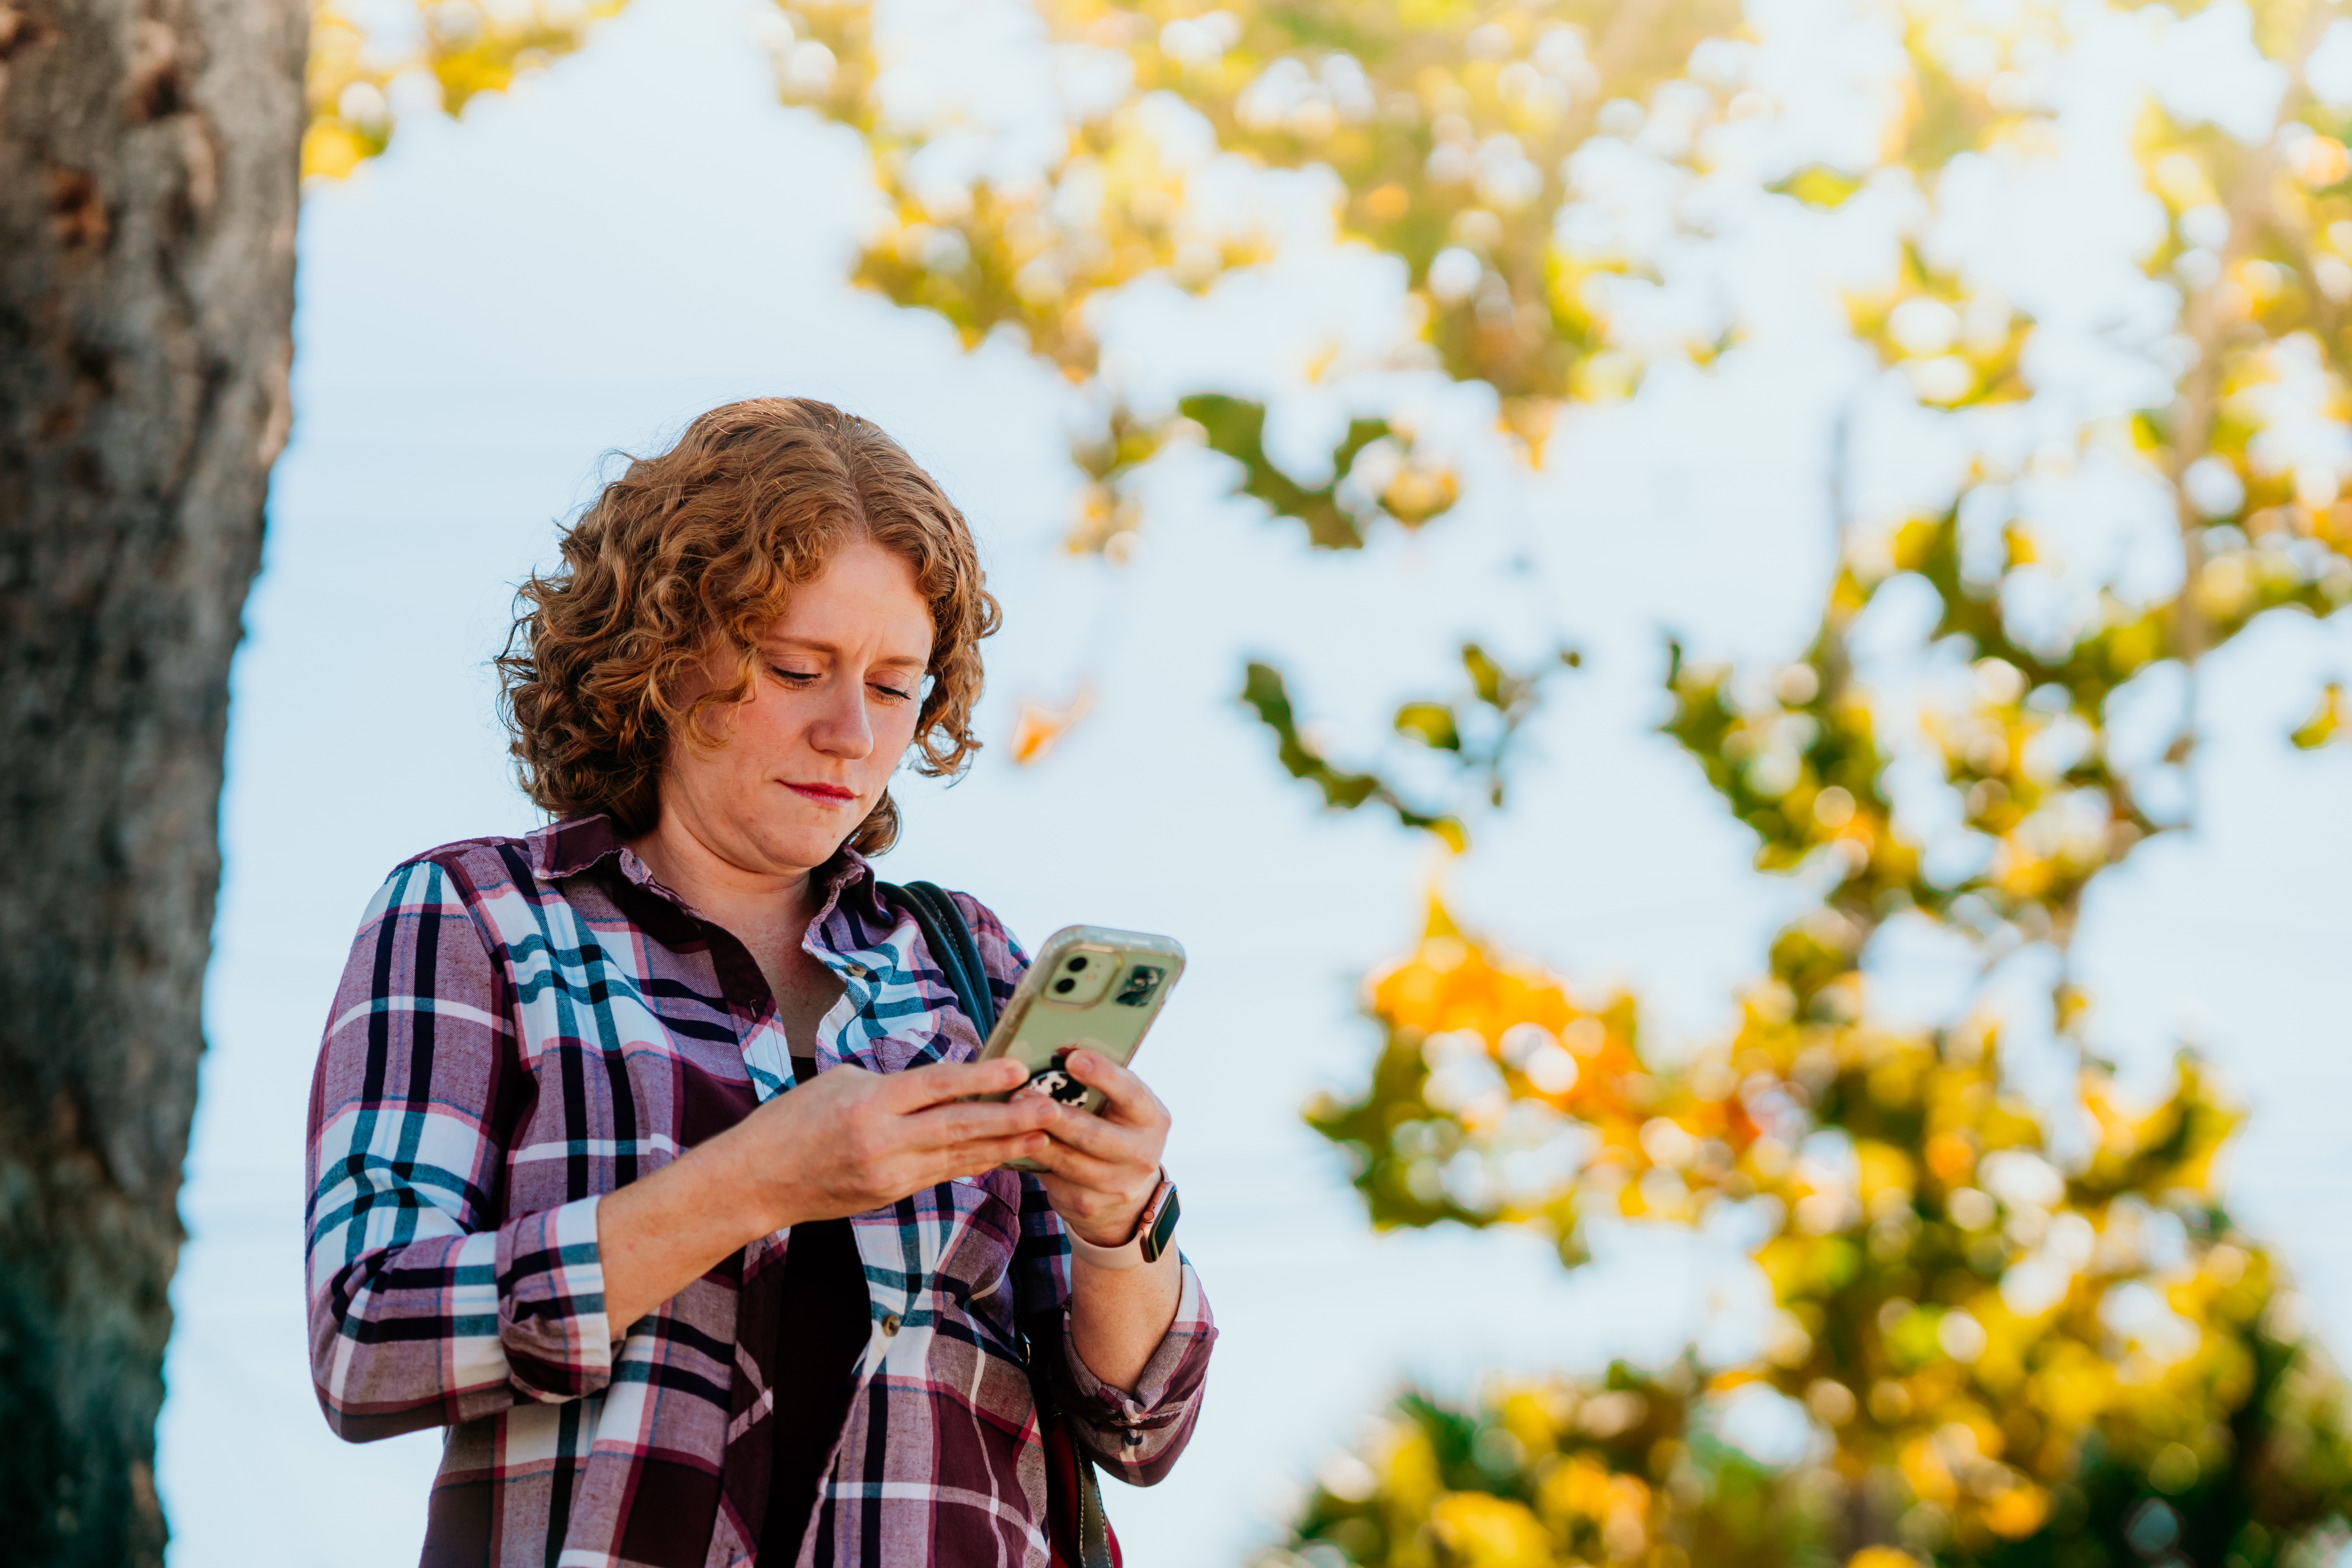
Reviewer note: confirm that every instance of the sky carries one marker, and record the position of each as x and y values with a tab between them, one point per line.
497	305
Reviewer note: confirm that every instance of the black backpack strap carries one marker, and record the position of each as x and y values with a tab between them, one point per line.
949	936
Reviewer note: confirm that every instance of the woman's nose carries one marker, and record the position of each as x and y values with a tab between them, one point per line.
844	727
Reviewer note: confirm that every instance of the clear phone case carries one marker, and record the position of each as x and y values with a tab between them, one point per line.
1087	986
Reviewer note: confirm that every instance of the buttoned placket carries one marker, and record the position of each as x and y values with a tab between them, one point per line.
767	1055
860	983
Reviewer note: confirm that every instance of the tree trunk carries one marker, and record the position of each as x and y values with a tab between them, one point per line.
148	185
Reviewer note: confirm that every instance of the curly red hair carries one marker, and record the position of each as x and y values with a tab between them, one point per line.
696	550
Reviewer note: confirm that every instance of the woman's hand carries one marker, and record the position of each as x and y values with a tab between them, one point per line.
1099	1173
849	1139
846	1142
1100	1170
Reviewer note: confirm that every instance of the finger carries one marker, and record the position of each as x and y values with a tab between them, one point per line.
1126	1099
943	1081
1112	1179
944	1126
983	1154
1103	1138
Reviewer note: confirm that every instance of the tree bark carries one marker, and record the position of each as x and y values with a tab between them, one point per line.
149	169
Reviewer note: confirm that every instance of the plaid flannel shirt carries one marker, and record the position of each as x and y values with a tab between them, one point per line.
524	1026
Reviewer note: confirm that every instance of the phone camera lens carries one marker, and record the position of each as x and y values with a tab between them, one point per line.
1076	963
1064	987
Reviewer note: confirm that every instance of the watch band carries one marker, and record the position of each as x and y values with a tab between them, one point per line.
1154	1235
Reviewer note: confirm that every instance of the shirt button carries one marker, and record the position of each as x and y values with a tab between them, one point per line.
855	971
890	1323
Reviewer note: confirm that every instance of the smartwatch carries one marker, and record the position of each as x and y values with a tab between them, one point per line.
1154	1233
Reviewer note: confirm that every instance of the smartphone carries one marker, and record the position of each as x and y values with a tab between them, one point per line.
1091	987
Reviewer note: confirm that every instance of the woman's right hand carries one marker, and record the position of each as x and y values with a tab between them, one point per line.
849	1140
846	1142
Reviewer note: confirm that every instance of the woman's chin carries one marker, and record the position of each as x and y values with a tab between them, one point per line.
805	844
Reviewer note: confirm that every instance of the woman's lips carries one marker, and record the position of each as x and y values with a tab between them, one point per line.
823	795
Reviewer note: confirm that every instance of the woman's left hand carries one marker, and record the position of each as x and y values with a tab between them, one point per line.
1100	1170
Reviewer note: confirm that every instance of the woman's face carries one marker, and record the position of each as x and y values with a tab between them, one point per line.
837	684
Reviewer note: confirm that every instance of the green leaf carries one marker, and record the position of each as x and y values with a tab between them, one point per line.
1263	690
1236	427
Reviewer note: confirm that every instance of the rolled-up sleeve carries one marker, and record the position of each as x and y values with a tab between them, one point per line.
426	1306
1138	1432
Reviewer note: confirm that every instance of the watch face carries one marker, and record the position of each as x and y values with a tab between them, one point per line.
1163	1228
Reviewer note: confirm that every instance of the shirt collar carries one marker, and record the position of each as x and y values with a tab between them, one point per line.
567	848
578	844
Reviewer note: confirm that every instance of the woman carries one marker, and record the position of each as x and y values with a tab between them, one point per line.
642	1154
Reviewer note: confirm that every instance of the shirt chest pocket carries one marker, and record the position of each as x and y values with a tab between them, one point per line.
979	1268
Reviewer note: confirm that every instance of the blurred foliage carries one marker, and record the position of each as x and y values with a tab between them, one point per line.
1471	736
2016	1339
2013	1350
2020	744
1436	133
1039	727
446	52
1624	1470
1236	427
1427	114
1263	691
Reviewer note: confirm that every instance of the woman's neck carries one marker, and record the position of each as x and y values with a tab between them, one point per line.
767	910
716	887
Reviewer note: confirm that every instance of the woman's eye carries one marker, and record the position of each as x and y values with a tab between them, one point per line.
893	694
797	677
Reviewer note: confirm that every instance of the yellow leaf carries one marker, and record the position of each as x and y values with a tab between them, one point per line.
1883	1168
1483	1531
1578	1490
1951	1157
2017	1513
1420	492
2321	161
1819	186
1039	728
2324	720
330	151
